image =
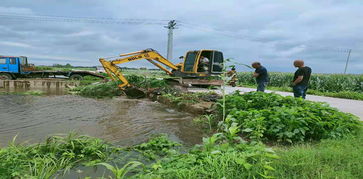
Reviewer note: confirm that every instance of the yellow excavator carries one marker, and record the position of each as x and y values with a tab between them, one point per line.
197	68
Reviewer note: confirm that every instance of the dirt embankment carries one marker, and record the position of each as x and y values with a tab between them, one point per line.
199	108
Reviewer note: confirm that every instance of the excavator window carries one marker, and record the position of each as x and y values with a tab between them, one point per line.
203	67
189	61
217	64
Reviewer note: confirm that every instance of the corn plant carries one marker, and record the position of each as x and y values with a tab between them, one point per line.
318	82
120	173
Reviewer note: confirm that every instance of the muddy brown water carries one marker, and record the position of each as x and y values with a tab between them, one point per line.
120	121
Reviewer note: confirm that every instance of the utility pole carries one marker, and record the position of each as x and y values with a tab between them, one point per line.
346	64
171	27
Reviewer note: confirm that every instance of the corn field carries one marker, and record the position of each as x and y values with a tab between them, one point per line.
320	82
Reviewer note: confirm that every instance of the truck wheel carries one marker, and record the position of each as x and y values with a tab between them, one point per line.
5	76
76	77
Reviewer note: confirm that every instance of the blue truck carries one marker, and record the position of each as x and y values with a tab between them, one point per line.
12	68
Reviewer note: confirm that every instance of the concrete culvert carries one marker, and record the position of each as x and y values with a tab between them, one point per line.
5	76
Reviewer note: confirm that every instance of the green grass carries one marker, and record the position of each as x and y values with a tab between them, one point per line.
341	94
101	90
87	80
217	157
340	159
222	155
54	157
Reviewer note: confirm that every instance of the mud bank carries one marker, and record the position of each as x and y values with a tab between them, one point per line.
199	108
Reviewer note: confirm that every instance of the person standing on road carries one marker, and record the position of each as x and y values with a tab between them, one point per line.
301	79
261	76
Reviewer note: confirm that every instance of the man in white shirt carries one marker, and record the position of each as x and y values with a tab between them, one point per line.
203	64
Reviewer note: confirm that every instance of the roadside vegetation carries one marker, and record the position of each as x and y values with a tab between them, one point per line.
268	116
331	158
334	85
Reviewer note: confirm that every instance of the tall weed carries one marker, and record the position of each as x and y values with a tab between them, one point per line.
57	154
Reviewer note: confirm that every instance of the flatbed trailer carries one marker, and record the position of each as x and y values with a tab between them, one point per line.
12	68
73	75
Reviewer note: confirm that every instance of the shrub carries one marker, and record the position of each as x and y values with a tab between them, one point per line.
216	158
156	147
287	119
101	90
87	80
144	82
191	98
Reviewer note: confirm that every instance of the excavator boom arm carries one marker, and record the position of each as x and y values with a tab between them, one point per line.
149	54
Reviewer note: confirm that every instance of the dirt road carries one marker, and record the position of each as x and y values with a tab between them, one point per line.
346	105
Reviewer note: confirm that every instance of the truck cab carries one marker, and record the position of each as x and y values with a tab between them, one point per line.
11	67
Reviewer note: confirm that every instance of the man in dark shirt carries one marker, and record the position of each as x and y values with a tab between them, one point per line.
261	76
301	79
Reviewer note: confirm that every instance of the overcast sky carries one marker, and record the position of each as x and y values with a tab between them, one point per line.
273	32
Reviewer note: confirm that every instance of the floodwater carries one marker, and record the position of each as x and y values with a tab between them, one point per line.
120	121
45	91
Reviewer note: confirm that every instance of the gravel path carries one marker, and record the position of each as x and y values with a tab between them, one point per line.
346	105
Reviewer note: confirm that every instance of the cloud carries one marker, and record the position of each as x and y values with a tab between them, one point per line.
16	10
274	33
15	44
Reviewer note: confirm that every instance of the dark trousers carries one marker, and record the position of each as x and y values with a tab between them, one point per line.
300	91
261	86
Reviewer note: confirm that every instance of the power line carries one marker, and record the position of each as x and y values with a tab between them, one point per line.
102	20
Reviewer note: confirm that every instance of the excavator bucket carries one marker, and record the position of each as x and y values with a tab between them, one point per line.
134	92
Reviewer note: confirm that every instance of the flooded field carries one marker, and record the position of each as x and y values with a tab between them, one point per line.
120	121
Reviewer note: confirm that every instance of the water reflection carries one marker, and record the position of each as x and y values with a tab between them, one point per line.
121	121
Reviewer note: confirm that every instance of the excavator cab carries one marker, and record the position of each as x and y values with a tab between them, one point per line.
203	63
